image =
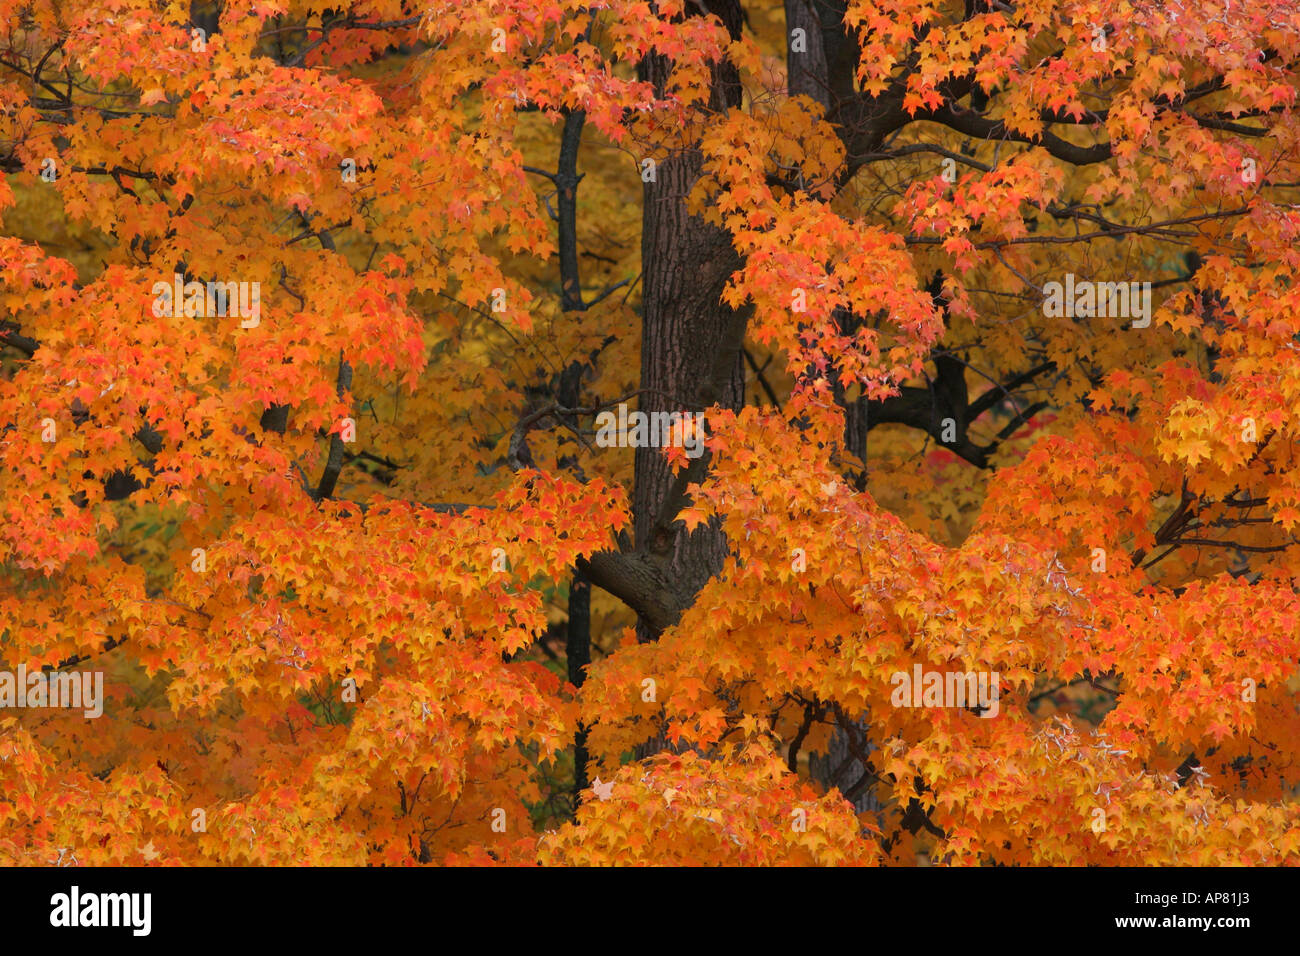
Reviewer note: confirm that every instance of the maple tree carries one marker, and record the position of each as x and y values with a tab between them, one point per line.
364	588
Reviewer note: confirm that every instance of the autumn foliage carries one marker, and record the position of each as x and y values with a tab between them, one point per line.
342	557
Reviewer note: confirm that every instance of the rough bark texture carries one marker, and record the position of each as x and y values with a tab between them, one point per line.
686	264
806	68
690	346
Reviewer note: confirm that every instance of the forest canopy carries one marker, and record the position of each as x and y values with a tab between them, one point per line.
617	432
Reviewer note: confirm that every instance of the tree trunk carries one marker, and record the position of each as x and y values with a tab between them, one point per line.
690	341
815	67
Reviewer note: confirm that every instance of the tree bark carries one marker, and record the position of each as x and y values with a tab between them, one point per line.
690	341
